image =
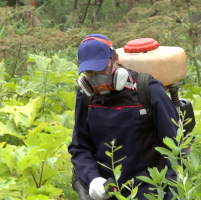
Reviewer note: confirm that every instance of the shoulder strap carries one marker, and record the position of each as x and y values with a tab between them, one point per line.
144	96
85	100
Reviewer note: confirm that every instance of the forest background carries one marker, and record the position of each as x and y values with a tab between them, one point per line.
38	83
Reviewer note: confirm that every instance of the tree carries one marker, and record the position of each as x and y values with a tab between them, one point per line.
130	7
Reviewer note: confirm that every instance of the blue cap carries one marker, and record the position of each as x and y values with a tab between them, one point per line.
94	54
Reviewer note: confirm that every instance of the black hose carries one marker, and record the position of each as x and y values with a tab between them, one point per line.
173	89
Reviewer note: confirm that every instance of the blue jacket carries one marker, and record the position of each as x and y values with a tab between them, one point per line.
119	118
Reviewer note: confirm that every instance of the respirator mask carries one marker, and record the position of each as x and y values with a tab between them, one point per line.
99	84
104	84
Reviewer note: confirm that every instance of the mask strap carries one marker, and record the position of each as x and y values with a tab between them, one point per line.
131	81
109	79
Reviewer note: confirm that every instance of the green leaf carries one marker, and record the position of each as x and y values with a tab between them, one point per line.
197	112
134	192
187	186
10	129
37	197
198	104
181	172
67	119
54	116
188	121
194	158
27	161
10	86
110	184
174	193
104	166
154	173
108	145
26	87
187	142
174	163
125	184
48	143
69	99
24	115
30	190
48	172
197	182
118	148
174	122
193	188
195	194
5	183
150	197
43	127
108	154
163	173
179	134
30	60
9	158
2	71
113	142
119	196
12	102
4	170
146	179
117	175
117	169
169	142
176	151
51	161
120	160
49	190
164	151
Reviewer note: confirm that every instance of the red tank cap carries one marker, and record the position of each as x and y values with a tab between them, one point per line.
141	45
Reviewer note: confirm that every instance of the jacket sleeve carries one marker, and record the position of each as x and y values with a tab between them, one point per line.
82	147
163	110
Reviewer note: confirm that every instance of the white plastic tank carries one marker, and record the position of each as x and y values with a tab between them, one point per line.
165	63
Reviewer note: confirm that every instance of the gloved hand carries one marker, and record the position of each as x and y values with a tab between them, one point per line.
96	189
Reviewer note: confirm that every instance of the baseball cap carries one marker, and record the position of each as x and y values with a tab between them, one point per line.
94	53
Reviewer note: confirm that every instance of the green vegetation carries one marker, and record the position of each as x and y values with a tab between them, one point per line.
38	65
37	112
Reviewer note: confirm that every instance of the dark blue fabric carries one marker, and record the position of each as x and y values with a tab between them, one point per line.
163	110
82	147
90	134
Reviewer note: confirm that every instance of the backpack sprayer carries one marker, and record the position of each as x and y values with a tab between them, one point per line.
164	63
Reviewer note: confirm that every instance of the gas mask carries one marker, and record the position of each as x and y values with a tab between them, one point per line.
104	84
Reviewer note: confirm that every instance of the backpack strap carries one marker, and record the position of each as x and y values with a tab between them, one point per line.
144	96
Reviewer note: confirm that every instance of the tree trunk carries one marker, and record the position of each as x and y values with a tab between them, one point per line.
85	12
33	3
130	7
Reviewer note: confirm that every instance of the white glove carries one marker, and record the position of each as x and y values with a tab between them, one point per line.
96	189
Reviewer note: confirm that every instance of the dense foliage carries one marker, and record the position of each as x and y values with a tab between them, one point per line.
37	112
